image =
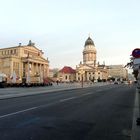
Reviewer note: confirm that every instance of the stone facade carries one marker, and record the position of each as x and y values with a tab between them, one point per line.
118	71
23	60
89	70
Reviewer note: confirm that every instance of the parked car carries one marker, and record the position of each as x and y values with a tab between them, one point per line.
116	82
126	82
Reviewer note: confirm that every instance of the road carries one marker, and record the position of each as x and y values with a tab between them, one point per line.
94	113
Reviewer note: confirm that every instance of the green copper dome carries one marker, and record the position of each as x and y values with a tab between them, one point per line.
89	41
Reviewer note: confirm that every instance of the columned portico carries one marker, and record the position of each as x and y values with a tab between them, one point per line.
23	59
89	66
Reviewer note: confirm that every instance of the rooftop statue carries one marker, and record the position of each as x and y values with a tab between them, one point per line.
31	43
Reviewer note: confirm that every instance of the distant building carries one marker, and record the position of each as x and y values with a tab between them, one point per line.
118	71
23	60
51	73
89	70
66	74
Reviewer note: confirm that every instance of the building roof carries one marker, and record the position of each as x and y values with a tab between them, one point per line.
68	70
22	46
89	41
116	66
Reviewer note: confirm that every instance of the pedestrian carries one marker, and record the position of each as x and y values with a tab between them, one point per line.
57	82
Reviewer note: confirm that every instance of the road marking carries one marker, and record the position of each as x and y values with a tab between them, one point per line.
89	93
86	94
25	110
36	107
67	99
63	100
18	112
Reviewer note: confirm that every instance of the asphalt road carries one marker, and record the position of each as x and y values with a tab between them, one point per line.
95	113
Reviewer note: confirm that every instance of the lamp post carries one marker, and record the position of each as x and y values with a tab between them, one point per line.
82	78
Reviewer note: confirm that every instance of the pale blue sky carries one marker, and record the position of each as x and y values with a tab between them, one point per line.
61	27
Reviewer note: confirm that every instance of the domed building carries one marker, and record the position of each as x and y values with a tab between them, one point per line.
89	69
89	52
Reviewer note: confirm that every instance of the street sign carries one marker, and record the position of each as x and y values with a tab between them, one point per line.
136	61
136	53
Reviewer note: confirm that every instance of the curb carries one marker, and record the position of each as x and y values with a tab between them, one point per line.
33	93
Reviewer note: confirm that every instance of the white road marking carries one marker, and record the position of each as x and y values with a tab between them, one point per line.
86	94
63	100
18	112
33	108
25	110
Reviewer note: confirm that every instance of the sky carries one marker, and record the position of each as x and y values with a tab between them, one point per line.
61	27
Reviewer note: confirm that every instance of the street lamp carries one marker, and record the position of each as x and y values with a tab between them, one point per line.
82	78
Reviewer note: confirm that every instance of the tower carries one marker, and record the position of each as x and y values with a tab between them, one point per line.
89	52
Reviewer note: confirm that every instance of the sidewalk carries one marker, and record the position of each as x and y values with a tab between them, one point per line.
13	92
136	114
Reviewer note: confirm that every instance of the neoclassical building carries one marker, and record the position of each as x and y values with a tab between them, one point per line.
118	72
89	70
66	74
23	60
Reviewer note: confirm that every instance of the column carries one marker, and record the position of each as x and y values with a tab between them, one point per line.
47	71
76	76
28	73
36	68
21	69
87	76
30	68
39	68
11	67
43	70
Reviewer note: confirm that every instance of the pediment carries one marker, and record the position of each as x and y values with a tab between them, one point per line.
32	48
86	67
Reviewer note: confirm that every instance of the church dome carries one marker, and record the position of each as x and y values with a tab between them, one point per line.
89	46
89	41
89	52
